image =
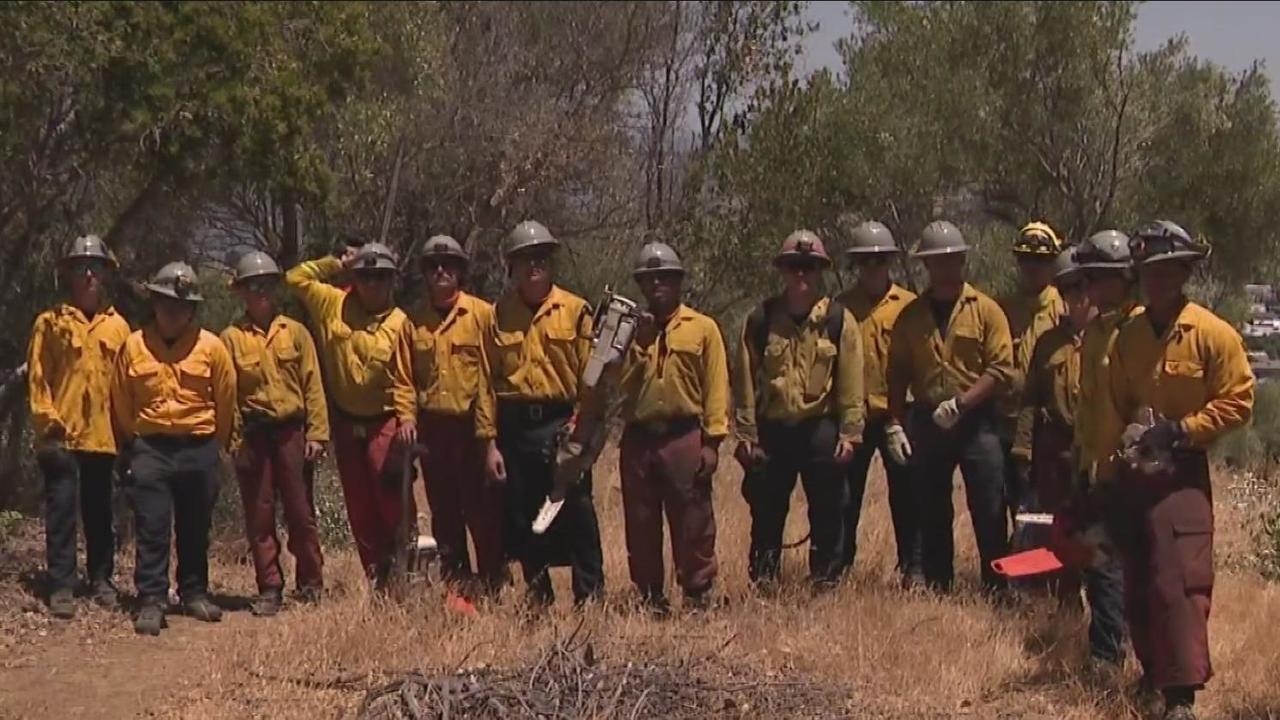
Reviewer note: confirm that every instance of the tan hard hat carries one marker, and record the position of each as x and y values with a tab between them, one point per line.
374	256
803	244
1064	266
529	234
657	257
89	247
1165	240
940	237
872	237
256	263
1105	249
175	280
440	246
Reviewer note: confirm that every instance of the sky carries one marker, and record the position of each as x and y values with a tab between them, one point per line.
1232	34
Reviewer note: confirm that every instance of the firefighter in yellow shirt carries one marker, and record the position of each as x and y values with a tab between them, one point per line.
800	411
69	363
951	348
173	394
449	328
1033	308
1183	367
1107	269
876	301
366	353
675	403
536	355
285	426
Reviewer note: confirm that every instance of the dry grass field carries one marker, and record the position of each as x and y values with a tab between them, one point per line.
891	654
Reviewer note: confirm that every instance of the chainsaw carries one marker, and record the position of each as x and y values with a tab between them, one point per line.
613	325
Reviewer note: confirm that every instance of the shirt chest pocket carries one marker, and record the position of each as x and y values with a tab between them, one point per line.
109	347
684	352
560	335
776	352
195	380
966	347
510	351
1183	382
285	351
464	357
249	370
145	382
819	377
424	357
378	364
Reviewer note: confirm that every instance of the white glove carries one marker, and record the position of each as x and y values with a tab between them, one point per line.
898	445
947	414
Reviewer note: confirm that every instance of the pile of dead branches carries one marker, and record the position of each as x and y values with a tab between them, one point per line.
568	681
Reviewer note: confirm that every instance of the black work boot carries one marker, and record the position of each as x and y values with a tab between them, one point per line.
309	595
700	601
266	604
105	595
150	620
62	604
1179	703
202	608
654	601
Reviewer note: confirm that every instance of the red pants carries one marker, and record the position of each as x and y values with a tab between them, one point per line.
1168	568
374	510
271	460
1053	478
460	498
657	476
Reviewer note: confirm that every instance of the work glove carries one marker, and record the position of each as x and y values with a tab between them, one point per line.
1164	436
748	454
708	461
898	445
947	414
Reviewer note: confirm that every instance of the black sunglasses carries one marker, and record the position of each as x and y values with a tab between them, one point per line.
260	285
83	265
800	266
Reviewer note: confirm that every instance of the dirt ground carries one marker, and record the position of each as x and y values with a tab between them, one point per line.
893	654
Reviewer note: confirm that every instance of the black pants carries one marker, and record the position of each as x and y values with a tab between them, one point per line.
66	472
1104	591
902	504
175	486
806	449
974	445
528	445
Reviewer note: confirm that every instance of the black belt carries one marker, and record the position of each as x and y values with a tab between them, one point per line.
533	410
667	426
257	422
175	441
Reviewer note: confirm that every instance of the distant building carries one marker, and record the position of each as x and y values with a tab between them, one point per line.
1260	294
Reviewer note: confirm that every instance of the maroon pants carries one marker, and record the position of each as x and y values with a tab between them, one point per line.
271	461
370	488
1053	478
658	475
460	498
1168	569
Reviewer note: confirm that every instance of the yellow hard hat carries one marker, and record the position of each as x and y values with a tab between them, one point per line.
1037	238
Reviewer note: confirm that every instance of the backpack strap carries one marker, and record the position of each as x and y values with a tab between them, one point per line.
834	325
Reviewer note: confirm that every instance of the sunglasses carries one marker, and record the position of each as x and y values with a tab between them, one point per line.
430	264
87	265
261	285
869	260
536	256
798	267
373	277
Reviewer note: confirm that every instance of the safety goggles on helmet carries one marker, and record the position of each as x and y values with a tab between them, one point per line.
1160	240
799	264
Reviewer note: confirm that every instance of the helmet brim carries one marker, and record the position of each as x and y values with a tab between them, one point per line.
875	250
1188	255
939	251
168	292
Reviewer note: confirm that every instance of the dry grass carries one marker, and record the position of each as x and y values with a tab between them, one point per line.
896	655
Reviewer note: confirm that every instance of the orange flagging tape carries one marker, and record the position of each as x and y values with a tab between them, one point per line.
1023	564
